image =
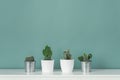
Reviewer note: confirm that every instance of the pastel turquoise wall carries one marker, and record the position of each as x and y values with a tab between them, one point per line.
91	26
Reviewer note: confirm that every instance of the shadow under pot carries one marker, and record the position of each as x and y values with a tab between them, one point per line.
86	66
29	66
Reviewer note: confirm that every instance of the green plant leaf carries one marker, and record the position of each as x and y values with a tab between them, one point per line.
47	52
85	57
80	58
89	56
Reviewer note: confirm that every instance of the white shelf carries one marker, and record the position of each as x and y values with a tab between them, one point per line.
96	74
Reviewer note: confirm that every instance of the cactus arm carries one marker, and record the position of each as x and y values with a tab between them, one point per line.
29	58
67	55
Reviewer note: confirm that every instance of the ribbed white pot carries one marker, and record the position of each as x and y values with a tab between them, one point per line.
47	66
67	65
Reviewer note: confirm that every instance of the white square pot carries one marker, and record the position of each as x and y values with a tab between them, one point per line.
67	65
47	66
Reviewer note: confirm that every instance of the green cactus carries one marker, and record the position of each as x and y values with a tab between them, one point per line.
85	57
67	55
29	58
47	52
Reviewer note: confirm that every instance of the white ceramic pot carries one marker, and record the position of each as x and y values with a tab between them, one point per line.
67	65
47	66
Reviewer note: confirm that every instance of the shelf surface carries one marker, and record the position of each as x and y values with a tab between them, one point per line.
76	72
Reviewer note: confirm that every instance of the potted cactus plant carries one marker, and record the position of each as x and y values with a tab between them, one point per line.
29	64
67	63
47	64
85	62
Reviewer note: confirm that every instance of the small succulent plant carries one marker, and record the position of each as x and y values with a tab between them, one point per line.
67	55
29	58
85	57
47	52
